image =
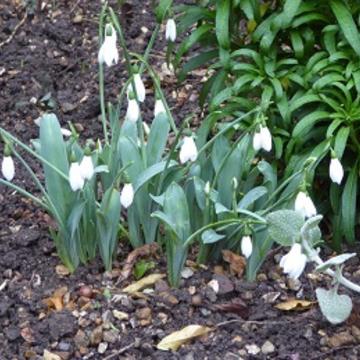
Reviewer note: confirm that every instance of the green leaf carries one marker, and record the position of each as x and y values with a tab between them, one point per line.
307	122
284	226
150	172
347	24
341	141
162	9
336	308
53	149
141	267
211	237
335	261
253	195
348	205
158	136
107	224
222	23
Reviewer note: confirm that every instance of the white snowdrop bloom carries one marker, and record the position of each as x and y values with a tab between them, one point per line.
8	168
133	110
139	86
188	150
159	108
127	195
146	128
246	246
262	139
304	205
207	188
336	171
170	32
266	139
108	52
87	168
75	179
257	143
65	132
293	263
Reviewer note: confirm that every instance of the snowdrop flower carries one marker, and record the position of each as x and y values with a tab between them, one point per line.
139	86
207	188
75	179
146	128
262	139
133	110
127	195
159	107
8	167
336	170
65	132
246	246
293	263
108	52
170	33
188	150
87	167
304	205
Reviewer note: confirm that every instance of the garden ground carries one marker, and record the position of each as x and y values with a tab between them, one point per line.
50	63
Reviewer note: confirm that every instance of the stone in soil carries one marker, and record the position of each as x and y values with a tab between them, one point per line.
61	324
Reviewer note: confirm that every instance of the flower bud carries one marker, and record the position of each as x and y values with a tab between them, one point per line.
159	107
139	87
133	110
170	33
293	263
336	170
8	167
207	188
127	195
246	246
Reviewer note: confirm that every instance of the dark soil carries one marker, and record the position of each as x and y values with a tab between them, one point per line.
51	63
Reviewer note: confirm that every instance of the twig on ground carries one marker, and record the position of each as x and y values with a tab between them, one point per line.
121	351
256	322
8	40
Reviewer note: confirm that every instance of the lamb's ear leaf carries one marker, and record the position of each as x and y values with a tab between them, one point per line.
336	308
284	226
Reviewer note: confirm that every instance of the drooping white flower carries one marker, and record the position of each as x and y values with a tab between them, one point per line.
293	263
139	86
65	132
159	107
133	110
246	246
146	128
108	52
188	150
336	171
75	179
262	139
127	195
304	205
8	168
87	167
170	33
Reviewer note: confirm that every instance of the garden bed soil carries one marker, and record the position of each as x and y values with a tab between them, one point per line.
51	63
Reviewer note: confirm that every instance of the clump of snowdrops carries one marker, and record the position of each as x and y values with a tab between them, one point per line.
215	189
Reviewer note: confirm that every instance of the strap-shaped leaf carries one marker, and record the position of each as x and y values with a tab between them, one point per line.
347	24
222	23
348	205
308	122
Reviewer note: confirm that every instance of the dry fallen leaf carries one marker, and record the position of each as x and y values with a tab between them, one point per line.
62	270
142	283
236	306
146	250
295	305
178	338
50	356
237	262
27	334
56	300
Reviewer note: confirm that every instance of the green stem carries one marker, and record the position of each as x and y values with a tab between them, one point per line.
33	153
25	193
101	76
